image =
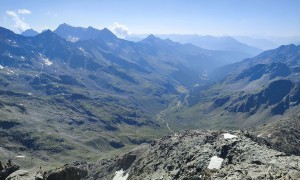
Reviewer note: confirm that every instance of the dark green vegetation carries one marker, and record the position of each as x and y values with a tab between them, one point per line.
84	94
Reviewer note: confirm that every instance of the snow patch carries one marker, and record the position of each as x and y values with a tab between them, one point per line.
259	135
229	136
215	162
29	94
111	45
119	175
20	156
82	50
1	67
10	72
73	39
293	103
46	60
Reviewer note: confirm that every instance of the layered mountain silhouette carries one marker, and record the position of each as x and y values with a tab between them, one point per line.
222	43
71	33
248	93
82	93
99	83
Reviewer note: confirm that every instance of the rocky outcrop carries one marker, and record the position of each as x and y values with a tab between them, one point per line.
68	172
277	96
257	71
283	135
24	175
7	171
195	155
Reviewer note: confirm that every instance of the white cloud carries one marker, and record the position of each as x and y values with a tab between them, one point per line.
19	24
120	30
11	13
24	11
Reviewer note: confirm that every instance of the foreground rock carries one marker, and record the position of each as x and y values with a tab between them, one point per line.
67	173
7	171
24	175
192	155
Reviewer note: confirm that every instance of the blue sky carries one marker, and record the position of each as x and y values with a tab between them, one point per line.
213	17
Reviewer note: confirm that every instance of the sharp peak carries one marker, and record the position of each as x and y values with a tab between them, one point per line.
47	32
91	27
106	29
151	36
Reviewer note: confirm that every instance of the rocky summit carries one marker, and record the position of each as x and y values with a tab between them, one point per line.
195	154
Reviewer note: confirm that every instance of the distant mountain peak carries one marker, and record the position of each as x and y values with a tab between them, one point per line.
151	38
47	33
287	46
66	31
64	25
106	30
29	32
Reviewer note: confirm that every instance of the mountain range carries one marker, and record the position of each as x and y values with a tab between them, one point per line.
239	48
224	43
248	93
85	94
221	43
99	83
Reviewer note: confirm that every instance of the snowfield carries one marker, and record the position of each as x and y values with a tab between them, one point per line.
120	175
229	136
215	162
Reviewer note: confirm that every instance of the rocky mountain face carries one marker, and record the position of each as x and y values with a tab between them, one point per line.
288	55
84	94
282	135
74	34
191	155
257	91
52	91
96	94
279	95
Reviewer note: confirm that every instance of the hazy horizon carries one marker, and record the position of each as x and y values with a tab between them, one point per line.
256	18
